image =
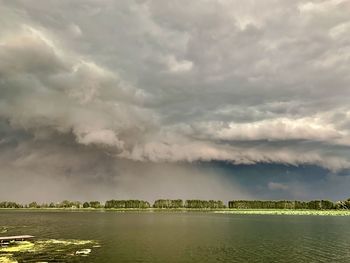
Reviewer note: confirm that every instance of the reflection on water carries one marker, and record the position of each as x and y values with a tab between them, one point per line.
176	237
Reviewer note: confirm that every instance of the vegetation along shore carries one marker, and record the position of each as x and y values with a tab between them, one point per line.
281	207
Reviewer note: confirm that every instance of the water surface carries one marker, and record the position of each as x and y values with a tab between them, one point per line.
179	237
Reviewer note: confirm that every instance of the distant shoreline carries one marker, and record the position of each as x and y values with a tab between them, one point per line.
228	211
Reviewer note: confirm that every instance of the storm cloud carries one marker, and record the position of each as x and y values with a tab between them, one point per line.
96	91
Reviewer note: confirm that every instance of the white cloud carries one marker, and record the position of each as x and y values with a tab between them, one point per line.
320	6
175	65
277	186
278	129
75	30
104	137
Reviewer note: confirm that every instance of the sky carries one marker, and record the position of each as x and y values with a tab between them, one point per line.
147	99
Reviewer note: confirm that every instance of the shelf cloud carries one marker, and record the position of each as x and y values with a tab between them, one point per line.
179	83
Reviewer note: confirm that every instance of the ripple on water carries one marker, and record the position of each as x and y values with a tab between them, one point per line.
5	229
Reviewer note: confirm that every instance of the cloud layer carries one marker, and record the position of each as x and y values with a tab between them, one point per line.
180	82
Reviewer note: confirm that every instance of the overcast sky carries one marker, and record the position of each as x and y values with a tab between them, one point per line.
105	99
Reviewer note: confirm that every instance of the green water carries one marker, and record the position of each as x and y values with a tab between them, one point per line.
178	237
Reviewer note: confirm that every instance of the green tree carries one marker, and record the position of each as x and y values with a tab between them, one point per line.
95	204
33	205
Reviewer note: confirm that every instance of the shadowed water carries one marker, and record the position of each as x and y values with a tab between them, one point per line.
179	237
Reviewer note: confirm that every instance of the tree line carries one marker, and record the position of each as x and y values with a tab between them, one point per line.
127	204
285	204
189	204
121	204
178	203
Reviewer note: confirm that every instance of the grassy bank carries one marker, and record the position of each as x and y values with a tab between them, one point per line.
116	209
184	210
285	212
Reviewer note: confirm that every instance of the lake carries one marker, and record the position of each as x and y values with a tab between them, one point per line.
176	237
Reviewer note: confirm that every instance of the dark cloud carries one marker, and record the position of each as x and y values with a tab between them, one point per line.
143	83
